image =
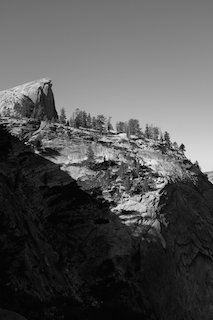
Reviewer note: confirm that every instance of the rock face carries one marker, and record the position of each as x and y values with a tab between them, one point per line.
99	248
210	176
34	99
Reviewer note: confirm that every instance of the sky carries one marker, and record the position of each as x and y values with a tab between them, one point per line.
150	60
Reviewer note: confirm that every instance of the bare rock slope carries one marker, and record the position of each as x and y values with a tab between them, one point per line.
210	176
127	235
34	99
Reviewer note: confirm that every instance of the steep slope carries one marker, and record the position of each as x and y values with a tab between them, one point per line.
58	243
34	99
210	176
123	234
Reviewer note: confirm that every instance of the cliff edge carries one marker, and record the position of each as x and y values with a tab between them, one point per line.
123	231
32	100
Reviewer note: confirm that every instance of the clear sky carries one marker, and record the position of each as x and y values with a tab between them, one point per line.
150	60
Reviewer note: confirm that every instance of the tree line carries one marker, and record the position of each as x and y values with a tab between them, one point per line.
83	119
103	125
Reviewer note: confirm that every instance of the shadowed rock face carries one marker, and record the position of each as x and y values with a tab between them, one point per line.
34	99
9	315
66	255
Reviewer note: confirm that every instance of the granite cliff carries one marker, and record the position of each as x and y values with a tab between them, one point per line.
102	227
34	99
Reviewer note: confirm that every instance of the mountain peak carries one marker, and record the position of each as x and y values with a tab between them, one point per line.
34	99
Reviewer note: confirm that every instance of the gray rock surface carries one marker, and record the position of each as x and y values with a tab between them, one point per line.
97	248
34	99
210	176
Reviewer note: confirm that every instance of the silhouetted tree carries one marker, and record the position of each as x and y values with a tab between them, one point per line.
109	125
182	148
94	124
175	145
62	116
101	123
197	164
156	132
120	126
133	126
167	138
88	121
71	121
147	133
76	118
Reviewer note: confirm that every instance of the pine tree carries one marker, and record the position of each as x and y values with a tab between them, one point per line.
147	131
94	124
71	121
175	145
134	127
120	126
76	118
167	138
89	121
101	123
197	164
109	125
182	148
128	131
83	119
62	116
156	133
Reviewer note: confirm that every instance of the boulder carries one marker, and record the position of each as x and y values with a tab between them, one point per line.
34	99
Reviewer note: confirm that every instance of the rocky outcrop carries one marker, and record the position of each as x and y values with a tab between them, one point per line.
68	251
210	176
34	99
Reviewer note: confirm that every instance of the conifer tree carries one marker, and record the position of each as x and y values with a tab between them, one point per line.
101	123
71	121
197	164
83	119
167	138
94	126
182	148
175	145
134	127
62	117
120	126
147	131
76	117
89	121
109	125
156	133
